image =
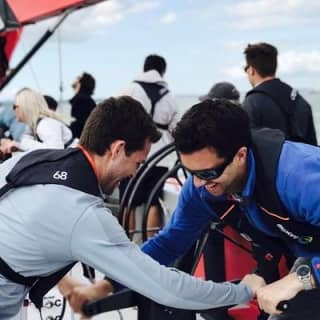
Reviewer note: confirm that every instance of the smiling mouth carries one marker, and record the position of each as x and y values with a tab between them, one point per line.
212	185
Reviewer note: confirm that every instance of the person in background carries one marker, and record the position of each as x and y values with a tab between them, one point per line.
46	128
152	91
272	103
225	90
51	102
10	127
82	103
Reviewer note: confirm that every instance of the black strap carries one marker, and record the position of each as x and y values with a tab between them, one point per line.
286	112
162	126
68	143
155	93
266	161
39	285
13	276
43	166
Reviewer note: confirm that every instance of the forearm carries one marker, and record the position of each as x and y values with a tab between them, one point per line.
103	244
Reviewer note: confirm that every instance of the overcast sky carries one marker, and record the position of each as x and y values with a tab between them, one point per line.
202	41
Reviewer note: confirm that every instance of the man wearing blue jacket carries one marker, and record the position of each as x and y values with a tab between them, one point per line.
255	181
236	173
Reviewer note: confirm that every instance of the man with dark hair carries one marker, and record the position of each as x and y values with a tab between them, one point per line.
155	62
62	193
272	103
246	179
152	91
51	102
82	104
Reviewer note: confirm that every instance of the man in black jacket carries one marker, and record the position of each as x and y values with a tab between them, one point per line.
82	104
272	103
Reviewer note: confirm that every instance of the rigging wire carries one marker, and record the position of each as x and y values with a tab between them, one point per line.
61	86
33	73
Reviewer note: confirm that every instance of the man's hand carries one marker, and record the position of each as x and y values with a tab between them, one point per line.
254	282
77	292
283	289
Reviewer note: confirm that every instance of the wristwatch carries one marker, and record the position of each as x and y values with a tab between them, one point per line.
304	275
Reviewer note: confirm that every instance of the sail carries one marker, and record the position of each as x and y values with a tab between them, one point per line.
14	14
26	11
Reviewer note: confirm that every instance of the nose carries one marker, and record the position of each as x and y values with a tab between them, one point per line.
198	182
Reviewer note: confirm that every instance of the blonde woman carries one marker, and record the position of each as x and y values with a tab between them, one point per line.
47	129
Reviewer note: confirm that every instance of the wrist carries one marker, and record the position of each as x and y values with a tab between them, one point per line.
304	275
103	288
296	282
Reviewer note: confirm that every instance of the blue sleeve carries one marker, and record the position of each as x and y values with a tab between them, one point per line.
299	183
189	219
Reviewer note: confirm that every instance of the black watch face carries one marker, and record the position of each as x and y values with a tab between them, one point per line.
303	270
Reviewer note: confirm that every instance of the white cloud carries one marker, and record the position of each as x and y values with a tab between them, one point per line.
296	62
234	72
169	18
9	93
274	13
290	62
143	6
88	22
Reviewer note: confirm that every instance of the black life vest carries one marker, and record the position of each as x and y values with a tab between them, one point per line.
285	97
155	93
67	167
267	146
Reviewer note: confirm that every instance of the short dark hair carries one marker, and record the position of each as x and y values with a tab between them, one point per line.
87	83
220	124
51	102
155	62
263	57
122	118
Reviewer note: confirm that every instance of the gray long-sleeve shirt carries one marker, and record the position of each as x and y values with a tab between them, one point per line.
45	227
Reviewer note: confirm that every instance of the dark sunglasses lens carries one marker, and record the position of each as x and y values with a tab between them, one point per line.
208	174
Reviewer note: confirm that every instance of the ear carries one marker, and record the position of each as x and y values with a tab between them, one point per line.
242	155
116	148
252	71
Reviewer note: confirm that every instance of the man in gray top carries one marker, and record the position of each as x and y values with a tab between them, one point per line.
54	215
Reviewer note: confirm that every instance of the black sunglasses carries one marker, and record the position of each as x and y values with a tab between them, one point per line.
14	107
245	68
210	174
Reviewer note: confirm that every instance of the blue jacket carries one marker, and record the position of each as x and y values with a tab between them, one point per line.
8	121
298	185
